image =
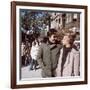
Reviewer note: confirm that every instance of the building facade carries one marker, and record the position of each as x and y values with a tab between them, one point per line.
62	21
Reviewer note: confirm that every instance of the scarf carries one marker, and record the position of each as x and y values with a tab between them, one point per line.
64	56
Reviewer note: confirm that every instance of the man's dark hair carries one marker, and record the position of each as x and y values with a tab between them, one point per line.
51	32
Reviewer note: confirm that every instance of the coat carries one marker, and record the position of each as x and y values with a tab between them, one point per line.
72	64
48	58
34	51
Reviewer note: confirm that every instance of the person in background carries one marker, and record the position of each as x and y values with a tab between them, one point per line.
34	50
27	53
43	40
23	53
48	55
69	59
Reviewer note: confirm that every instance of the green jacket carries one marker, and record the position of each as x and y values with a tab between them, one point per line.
47	57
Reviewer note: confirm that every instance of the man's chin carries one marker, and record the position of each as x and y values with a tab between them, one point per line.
53	42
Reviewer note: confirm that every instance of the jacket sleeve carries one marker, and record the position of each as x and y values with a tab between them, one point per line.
76	64
58	69
39	57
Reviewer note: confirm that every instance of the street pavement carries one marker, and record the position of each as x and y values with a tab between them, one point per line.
27	73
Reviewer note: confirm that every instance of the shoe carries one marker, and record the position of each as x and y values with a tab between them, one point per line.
31	68
35	69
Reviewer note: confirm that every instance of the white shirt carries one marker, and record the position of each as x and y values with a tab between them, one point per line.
34	51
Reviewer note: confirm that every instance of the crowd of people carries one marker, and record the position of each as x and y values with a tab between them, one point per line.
55	58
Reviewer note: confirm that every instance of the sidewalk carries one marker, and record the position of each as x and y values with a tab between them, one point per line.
27	73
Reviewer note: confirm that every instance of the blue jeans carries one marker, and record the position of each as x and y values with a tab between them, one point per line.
33	64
